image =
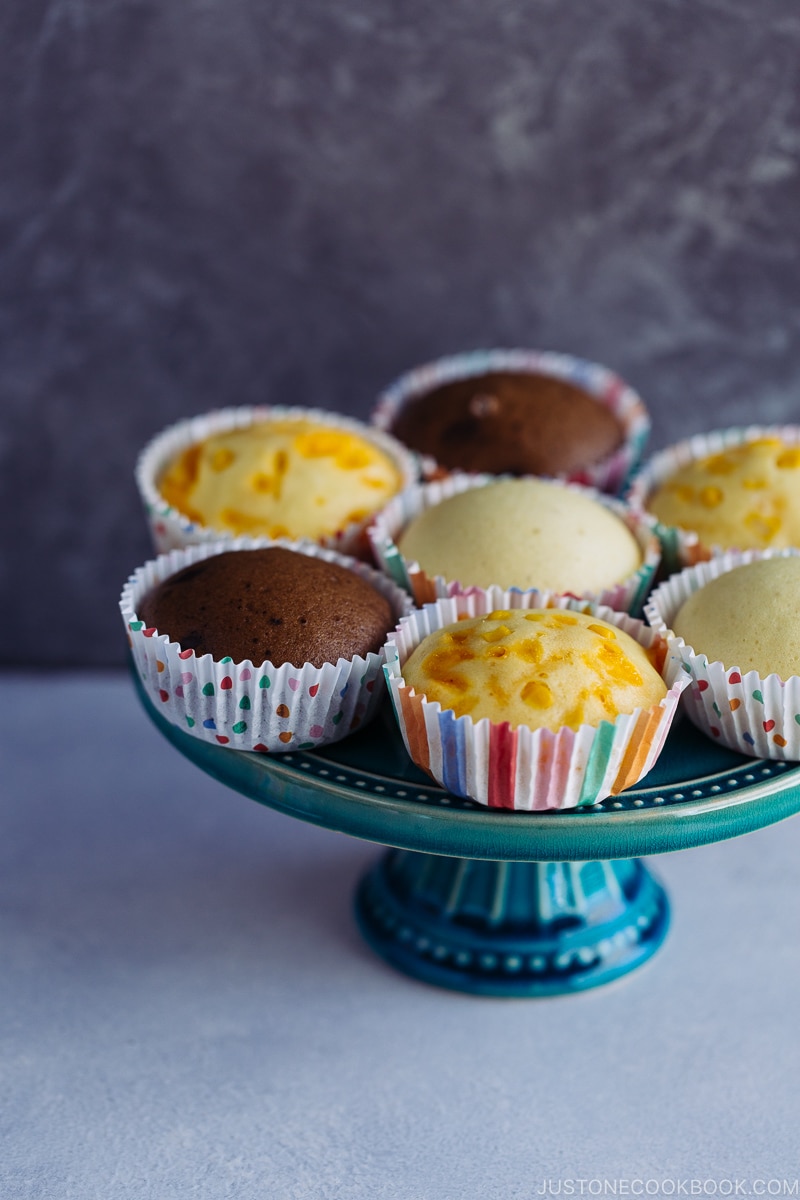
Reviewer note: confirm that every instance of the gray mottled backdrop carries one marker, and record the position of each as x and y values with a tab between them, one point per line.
207	202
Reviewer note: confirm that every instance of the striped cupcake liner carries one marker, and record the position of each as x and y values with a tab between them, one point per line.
750	713
170	529
388	525
526	769
610	475
246	705
684	547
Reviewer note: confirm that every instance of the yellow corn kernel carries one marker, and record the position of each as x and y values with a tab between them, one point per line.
561	618
353	458
498	693
321	443
537	694
762	527
616	666
711	497
604	631
463	705
495	635
240	522
720	464
529	649
221	459
559	656
683	492
499	614
179	478
262	483
789	458
441	667
575	716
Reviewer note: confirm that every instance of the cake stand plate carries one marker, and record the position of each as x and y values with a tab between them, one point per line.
507	903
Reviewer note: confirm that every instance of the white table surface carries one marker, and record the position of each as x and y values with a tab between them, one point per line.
188	1009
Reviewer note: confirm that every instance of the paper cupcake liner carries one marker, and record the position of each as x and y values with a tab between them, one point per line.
626	596
171	529
246	705
522	768
609	475
750	713
684	547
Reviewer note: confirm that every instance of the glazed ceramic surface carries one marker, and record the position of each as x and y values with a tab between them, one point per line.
500	903
367	786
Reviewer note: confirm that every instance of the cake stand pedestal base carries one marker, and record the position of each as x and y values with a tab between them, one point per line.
511	928
504	903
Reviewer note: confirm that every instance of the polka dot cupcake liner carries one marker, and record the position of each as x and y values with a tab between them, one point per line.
752	714
526	769
684	547
171	529
387	526
610	475
246	705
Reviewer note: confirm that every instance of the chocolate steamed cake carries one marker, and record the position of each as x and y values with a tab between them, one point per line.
510	422
269	604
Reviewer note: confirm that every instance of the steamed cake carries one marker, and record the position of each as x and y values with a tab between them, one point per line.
510	422
746	496
281	478
523	533
269	604
543	668
747	618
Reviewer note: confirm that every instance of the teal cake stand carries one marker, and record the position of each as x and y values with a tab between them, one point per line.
502	903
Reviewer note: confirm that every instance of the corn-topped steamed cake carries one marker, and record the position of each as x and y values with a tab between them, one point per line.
280	478
544	668
746	496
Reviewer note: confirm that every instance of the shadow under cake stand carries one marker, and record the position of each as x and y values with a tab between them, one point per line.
507	903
